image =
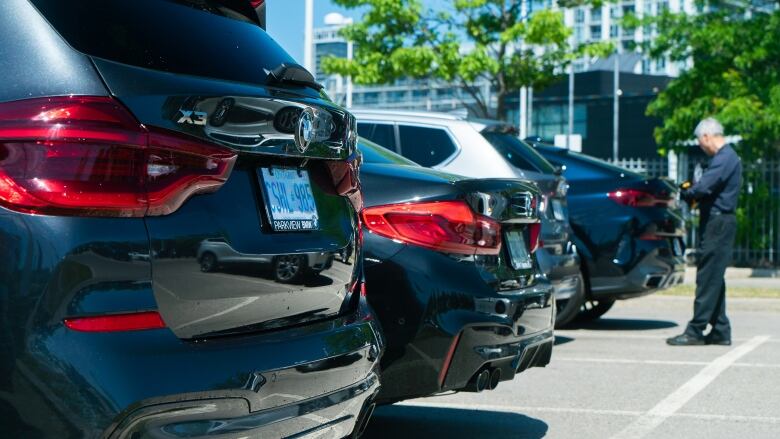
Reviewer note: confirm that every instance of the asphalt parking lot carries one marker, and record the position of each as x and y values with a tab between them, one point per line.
616	378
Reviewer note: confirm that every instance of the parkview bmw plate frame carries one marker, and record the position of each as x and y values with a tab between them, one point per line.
288	199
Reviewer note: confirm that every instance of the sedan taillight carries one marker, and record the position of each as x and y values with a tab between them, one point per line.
84	155
446	226
639	198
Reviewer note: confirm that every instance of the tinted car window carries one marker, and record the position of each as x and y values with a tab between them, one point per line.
584	167
373	153
189	37
518	153
426	146
380	133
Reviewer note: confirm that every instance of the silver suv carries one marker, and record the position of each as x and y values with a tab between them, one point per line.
489	149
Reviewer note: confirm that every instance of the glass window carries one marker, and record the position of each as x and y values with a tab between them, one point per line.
200	38
595	14
371	97
614	31
550	120
579	34
380	133
595	32
579	15
584	167
426	146
373	153
517	152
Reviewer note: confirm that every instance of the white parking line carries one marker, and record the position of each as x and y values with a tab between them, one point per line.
583	411
656	362
648	421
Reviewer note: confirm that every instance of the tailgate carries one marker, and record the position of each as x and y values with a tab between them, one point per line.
259	252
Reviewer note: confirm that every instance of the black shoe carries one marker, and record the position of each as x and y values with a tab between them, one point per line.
720	341
685	340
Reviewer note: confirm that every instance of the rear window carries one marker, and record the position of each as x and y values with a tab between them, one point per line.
518	153
373	153
426	146
196	37
381	133
584	167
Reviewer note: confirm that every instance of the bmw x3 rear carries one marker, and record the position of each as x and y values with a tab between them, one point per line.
133	135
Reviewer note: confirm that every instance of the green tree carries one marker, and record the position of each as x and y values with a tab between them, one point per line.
468	41
733	52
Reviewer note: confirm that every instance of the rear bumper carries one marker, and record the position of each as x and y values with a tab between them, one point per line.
332	415
657	270
441	330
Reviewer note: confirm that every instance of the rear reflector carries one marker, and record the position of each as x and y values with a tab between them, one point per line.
534	238
446	226
116	322
445	367
88	156
639	198
346	181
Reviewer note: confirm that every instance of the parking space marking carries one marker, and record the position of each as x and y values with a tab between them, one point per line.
583	411
648	421
521	410
657	362
622	335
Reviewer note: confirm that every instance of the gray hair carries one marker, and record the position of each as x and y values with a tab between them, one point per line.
709	126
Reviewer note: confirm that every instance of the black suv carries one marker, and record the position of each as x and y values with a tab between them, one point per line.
131	132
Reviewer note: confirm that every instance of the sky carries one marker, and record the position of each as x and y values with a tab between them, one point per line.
284	22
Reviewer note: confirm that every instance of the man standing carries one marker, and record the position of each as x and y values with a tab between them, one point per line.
716	192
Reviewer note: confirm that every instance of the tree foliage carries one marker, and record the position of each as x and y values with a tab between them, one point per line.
733	53
469	42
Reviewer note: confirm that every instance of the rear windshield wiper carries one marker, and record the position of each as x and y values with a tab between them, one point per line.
293	74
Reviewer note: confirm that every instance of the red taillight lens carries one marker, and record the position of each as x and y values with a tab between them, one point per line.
447	226
534	236
117	322
638	198
88	156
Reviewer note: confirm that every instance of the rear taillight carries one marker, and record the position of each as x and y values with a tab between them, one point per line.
639	198
136	321
446	226
88	156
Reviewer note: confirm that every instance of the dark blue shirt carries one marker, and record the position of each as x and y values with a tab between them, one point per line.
718	188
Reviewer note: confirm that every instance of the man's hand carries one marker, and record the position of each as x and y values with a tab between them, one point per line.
686	194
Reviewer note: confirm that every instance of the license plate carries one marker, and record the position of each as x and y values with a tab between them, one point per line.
289	200
557	208
518	252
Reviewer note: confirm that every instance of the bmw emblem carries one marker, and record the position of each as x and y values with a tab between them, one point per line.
305	132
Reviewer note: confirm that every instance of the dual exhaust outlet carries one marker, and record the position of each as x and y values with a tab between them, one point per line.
485	379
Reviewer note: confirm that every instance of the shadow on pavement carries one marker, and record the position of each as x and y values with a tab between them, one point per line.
559	340
610	324
410	422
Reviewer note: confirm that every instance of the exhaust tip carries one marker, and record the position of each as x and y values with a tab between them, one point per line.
483	380
495	377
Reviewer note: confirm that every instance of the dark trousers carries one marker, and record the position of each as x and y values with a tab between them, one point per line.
715	251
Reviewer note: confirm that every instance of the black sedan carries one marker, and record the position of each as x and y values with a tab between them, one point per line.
627	227
452	275
128	145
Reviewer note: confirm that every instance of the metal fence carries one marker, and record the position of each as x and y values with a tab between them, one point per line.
758	215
